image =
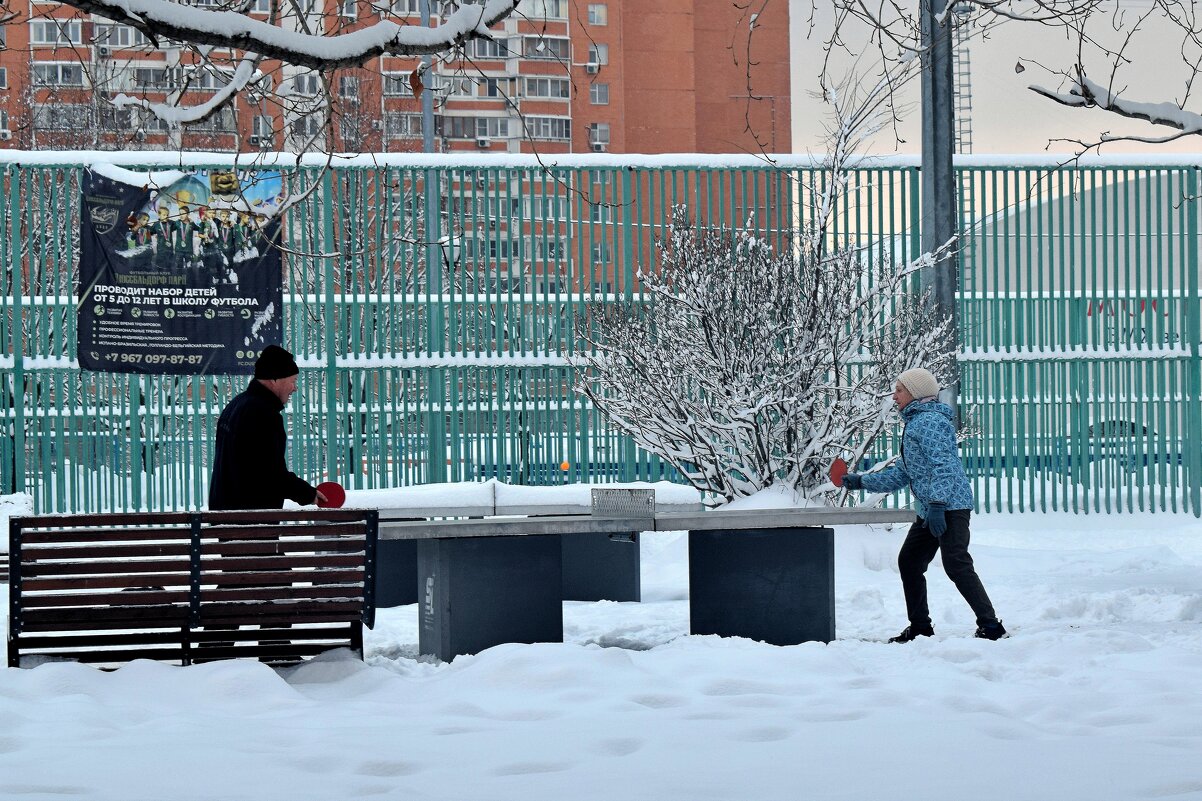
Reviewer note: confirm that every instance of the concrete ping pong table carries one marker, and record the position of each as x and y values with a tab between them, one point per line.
767	575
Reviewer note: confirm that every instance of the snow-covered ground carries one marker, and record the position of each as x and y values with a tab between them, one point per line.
1098	695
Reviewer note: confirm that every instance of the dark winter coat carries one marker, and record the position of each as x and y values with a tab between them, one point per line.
929	463
249	471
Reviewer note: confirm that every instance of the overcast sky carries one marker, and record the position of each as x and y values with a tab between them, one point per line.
1006	116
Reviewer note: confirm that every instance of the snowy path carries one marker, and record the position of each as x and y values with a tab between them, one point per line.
1097	696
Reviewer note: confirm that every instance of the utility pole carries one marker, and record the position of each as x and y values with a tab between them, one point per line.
938	179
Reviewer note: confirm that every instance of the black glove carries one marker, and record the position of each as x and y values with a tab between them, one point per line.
852	481
936	522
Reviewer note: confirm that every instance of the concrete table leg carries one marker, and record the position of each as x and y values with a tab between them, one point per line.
396	573
597	567
774	585
477	592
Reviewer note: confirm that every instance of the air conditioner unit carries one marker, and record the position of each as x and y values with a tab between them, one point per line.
598	147
254	140
103	51
376	125
6	134
591	68
483	142
140	136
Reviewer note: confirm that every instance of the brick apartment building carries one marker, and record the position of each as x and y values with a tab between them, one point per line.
623	76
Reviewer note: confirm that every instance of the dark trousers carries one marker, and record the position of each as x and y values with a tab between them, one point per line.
917	552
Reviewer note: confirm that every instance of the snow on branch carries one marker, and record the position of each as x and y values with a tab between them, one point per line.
231	29
244	74
1085	93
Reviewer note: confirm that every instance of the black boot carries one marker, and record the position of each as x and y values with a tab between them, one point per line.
995	631
913	632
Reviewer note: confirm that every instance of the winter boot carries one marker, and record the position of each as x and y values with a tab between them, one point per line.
912	632
995	631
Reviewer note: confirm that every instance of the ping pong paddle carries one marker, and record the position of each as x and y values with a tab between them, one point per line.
837	471
335	495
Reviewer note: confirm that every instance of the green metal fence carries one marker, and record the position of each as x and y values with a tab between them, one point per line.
431	303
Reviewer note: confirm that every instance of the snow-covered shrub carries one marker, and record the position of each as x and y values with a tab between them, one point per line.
752	365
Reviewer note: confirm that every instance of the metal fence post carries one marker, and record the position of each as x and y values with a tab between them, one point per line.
331	324
16	279
436	436
1193	330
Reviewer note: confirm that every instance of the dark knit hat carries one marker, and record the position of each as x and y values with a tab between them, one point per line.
275	362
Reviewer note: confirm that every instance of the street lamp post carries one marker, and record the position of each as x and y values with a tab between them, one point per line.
938	180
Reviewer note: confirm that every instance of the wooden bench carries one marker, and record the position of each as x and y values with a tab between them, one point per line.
274	585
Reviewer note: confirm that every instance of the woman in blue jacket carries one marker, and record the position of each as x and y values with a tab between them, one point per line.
931	466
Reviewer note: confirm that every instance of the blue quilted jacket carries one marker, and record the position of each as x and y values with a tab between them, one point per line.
929	463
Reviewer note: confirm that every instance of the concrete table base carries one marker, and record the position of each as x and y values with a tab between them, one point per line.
478	592
601	567
396	573
775	585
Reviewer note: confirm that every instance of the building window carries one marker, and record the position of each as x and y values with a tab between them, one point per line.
550	249
549	207
4	78
489	48
396	84
598	14
118	36
261	7
127	120
558	88
398	125
221	122
546	47
308	84
263	126
55	32
458	87
57	75
598	94
351	132
492	127
346	9
406	8
306	127
152	78
62	117
600	253
598	53
4	121
598	133
494	87
3	37
203	81
348	87
472	127
549	127
546	9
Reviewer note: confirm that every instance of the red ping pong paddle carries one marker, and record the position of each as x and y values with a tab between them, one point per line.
837	471
335	495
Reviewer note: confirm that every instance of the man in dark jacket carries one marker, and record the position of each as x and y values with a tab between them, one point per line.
249	471
931	466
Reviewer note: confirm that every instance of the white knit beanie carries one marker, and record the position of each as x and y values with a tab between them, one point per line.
919	382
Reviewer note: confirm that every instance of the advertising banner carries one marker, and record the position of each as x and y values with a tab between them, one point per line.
179	272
